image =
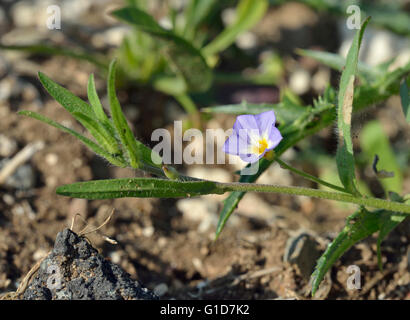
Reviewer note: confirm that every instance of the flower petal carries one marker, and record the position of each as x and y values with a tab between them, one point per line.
274	138
250	157
265	121
245	121
247	128
231	144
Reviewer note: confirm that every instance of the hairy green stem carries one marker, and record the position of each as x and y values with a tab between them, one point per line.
309	177
299	191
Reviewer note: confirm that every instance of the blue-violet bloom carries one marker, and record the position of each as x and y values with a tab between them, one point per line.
253	136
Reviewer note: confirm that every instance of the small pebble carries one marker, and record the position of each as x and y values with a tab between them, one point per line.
39	253
299	81
51	159
161	289
23	178
115	257
246	40
148	231
162	242
8	146
24	14
8	199
303	251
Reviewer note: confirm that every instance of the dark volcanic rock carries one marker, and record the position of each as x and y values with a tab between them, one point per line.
75	270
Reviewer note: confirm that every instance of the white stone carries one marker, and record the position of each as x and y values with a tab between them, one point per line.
8	146
299	81
24	14
246	40
148	231
161	289
115	257
228	16
114	36
51	159
321	79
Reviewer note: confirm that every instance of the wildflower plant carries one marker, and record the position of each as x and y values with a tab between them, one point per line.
256	138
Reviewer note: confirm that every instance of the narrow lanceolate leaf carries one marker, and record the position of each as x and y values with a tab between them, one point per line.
138	154
97	106
115	160
248	13
138	187
99	132
359	226
95	100
344	156
337	62
120	123
68	100
187	59
405	99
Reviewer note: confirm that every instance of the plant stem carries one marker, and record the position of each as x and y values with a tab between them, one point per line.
186	102
371	202
309	177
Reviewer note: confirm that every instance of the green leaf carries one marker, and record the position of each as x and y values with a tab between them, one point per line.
138	154
83	113
187	60
359	226
344	156
405	99
115	160
95	100
138	187
68	100
98	131
337	62
374	141
98	108
248	13
230	204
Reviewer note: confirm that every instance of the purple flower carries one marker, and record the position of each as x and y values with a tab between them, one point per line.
253	136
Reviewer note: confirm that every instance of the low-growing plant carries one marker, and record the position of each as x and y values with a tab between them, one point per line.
115	142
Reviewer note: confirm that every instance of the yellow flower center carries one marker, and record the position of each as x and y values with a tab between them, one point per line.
263	144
